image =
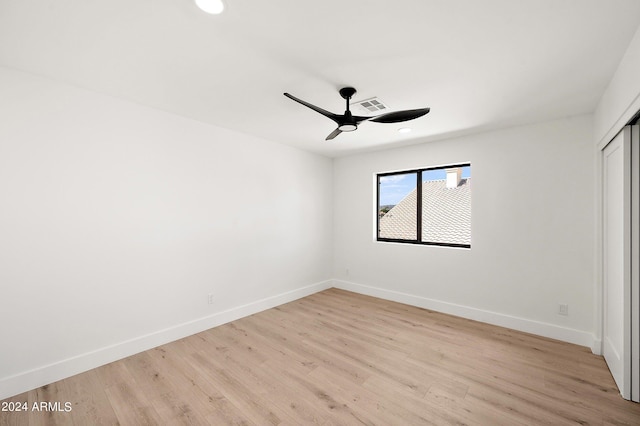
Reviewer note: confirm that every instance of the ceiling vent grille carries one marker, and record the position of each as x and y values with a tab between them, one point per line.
371	106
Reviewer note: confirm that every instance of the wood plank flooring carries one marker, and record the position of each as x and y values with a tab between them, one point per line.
339	358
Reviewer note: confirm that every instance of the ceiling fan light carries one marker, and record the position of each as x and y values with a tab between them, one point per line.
347	127
213	7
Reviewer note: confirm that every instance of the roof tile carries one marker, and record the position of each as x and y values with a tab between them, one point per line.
446	214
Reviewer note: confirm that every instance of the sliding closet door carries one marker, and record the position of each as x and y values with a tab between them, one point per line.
635	262
616	338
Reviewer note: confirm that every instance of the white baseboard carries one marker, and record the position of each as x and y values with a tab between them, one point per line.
28	380
596	346
23	382
552	331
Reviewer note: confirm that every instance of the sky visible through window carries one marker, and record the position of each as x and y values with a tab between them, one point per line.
395	187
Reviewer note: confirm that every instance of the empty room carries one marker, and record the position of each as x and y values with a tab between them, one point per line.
357	212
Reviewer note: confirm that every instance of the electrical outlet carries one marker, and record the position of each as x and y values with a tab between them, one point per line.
563	309
210	298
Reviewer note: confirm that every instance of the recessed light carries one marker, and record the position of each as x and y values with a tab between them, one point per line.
213	7
404	130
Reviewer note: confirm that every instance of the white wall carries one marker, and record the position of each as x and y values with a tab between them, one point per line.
117	220
532	230
621	100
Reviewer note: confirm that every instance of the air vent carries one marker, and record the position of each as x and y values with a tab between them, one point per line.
371	106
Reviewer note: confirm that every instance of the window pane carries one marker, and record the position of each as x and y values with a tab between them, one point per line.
446	205
397	206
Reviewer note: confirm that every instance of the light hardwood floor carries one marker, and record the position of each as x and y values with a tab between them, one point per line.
339	358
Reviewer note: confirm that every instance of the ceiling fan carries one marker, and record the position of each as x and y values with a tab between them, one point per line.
348	122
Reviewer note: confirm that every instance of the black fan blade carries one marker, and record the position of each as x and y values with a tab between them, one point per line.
360	118
398	116
333	134
334	117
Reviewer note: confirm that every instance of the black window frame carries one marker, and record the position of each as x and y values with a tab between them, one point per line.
418	189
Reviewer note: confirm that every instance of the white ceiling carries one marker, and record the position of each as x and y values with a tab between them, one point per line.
478	64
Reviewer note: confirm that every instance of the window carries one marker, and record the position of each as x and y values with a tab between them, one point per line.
440	215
